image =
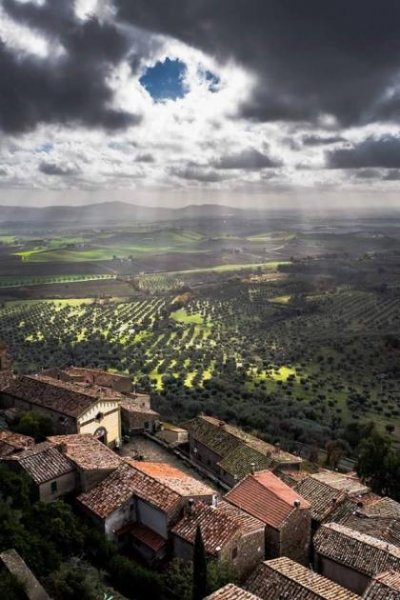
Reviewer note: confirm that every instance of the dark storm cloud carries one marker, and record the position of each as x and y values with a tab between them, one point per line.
145	158
373	152
392	175
311	58
249	160
195	173
71	89
320	140
59	170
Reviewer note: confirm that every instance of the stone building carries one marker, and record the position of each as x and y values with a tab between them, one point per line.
93	461
6	374
284	579
173	435
73	407
228	453
229	536
137	415
114	381
285	514
51	473
139	503
351	558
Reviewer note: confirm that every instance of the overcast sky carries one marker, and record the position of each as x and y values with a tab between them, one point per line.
174	102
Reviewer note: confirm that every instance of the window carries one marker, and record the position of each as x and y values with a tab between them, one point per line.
53	487
234	553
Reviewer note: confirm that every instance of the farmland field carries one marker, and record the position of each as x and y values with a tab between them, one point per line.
292	333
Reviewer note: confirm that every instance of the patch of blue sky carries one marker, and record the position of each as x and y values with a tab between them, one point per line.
212	80
165	81
46	148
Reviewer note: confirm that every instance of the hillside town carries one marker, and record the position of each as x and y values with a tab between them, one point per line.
286	528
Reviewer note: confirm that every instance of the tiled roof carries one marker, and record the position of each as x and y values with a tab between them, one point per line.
43	462
100	377
283	578
236	448
124	483
57	395
293	476
246	522
86	451
232	592
147	536
358	551
343	482
217	527
11	442
386	508
133	407
385	586
173	478
266	497
322	497
386	529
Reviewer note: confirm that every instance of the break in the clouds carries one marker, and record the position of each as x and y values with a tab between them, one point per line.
196	96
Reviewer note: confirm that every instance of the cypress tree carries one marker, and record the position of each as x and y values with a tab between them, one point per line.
199	567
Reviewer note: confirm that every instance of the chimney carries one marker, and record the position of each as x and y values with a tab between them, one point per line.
334	500
215	500
253	468
277	447
221	424
297	504
63	448
190	507
360	504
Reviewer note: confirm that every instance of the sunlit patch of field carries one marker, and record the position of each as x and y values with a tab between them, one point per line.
281	299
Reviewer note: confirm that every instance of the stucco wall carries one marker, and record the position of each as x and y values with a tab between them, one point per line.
124	515
152	517
89	423
65	485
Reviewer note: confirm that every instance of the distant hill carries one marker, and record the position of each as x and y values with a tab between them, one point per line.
106	212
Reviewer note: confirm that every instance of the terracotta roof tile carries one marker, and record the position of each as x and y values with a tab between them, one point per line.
173	478
236	448
283	578
124	483
42	462
86	451
57	395
217	527
11	442
344	482
322	497
232	592
266	497
147	536
384	586
132	406
358	551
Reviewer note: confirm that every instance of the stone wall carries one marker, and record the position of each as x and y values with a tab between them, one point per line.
295	536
